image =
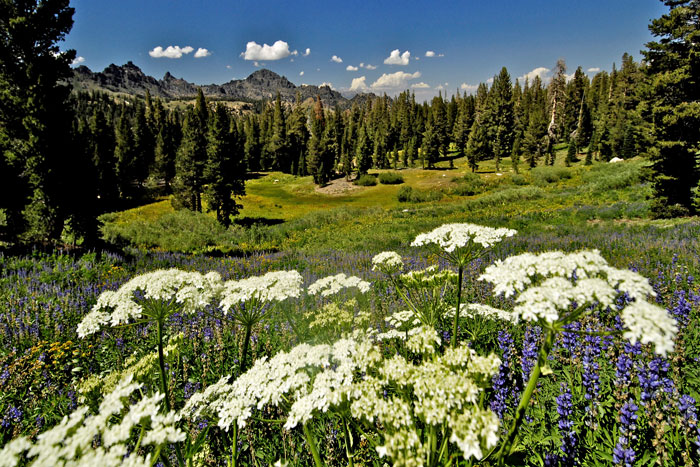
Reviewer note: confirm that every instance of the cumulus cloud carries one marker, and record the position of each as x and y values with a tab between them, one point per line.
429	53
351	68
172	51
307	52
420	85
77	61
337	59
328	85
201	53
301	73
398	58
295	53
542	72
370	67
228	67
593	70
358	84
276	51
469	88
394	80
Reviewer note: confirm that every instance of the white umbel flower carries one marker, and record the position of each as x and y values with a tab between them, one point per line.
387	262
274	286
453	236
331	285
548	284
191	290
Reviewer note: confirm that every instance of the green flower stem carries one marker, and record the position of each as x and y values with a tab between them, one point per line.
460	271
348	444
164	385
246	340
507	445
312	445
234	446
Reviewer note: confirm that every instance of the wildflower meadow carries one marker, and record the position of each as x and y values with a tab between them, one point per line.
463	348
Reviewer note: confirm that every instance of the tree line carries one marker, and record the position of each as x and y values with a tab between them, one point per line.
69	157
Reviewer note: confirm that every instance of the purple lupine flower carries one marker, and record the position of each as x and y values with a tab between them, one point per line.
570	339
652	377
532	334
503	381
687	409
591	379
623	452
566	426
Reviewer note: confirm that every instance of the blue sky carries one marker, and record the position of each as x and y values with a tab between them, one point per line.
214	41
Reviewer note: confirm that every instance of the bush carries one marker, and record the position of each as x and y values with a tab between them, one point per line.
469	185
408	195
366	180
545	175
517	179
390	178
606	177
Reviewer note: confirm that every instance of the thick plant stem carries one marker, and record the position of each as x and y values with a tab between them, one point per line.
164	386
348	444
527	395
234	446
246	341
312	445
460	271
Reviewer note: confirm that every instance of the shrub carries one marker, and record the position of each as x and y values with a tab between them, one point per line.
469	185
517	179
545	175
408	195
366	180
390	178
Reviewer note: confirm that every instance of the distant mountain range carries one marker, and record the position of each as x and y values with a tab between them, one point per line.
262	84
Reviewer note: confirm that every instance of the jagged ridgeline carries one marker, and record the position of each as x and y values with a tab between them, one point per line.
262	84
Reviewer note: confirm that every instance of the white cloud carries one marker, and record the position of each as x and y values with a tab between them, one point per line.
358	84
370	67
295	53
489	81
420	85
430	53
77	61
307	53
228	67
172	51
394	80
469	88
397	58
362	65
201	52
337	59
542	72
328	85
276	51
255	63
301	73
351	68
593	70
439	87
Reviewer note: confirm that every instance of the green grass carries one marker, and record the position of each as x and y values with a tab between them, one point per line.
291	213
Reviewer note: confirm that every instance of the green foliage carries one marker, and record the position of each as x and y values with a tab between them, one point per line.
390	178
545	175
410	195
366	180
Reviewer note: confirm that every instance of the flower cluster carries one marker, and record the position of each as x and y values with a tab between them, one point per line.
331	285
453	236
387	262
473	310
549	284
623	452
274	286
72	442
190	290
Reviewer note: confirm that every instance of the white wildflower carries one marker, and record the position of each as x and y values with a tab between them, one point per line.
423	341
331	285
474	431
485	311
272	287
191	290
387	262
453	236
649	324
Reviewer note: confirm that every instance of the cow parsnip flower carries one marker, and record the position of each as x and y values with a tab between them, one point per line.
190	290
72	441
548	284
274	286
331	285
387	262
485	311
450	237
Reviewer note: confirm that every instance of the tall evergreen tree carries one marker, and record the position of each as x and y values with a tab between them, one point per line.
500	119
673	68
35	119
189	163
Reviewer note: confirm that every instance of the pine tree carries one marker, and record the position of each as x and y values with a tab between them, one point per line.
298	136
478	147
674	73
277	144
499	118
125	155
102	152
431	145
189	163
363	153
35	120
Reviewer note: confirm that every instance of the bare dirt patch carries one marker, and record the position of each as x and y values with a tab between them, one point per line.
337	187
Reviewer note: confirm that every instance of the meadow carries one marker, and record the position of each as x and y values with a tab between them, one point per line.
596	398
